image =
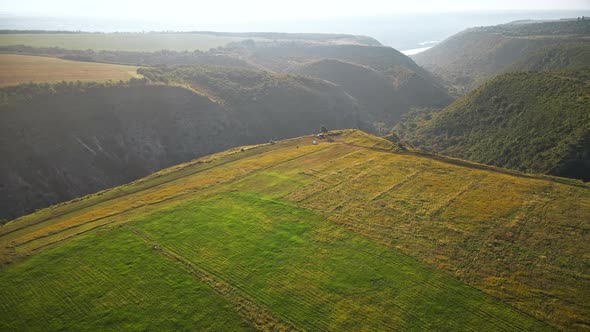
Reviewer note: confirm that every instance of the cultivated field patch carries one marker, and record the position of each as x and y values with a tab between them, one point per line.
147	42
17	69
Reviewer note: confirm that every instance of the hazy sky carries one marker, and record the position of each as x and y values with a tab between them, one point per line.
227	11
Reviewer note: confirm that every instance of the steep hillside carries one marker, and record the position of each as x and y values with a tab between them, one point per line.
530	121
404	84
350	234
280	56
474	55
61	141
557	57
384	99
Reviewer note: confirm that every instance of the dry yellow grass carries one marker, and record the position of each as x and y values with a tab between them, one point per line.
16	69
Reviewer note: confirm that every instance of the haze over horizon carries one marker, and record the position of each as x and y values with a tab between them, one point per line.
217	12
405	31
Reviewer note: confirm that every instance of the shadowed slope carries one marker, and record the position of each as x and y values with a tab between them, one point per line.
385	97
63	141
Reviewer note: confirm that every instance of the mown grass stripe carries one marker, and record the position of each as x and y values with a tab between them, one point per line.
257	316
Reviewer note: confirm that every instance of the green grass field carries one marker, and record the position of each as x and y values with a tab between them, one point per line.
312	275
112	280
349	235
17	69
147	42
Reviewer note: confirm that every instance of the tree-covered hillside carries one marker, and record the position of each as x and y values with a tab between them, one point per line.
556	57
530	121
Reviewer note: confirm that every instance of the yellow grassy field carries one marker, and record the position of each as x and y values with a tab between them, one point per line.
16	69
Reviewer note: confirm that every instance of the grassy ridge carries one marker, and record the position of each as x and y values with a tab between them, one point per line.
341	263
17	69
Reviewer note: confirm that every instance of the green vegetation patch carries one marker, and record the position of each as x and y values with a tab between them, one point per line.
109	281
556	57
529	121
318	275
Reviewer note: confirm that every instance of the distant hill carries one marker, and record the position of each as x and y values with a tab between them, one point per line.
62	141
350	234
529	121
474	55
556	57
322	38
281	55
156	41
139	58
401	83
385	97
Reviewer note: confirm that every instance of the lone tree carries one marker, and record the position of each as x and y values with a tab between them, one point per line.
323	129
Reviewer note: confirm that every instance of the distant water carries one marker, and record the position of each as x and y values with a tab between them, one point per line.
416	50
413	51
410	33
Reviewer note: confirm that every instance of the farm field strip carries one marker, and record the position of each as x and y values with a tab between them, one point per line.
343	165
257	316
17	69
146	42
